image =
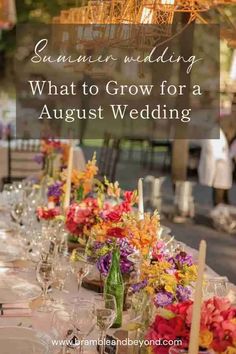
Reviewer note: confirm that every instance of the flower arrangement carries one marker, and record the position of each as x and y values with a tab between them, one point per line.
168	279
97	217
217	329
50	149
111	223
83	183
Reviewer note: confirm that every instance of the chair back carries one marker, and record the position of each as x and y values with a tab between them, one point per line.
109	157
21	159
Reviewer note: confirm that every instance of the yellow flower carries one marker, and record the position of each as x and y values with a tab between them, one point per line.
150	290
113	189
205	339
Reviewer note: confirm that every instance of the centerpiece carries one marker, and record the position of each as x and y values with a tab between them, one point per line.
53	156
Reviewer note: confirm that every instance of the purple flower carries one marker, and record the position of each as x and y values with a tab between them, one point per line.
181	259
183	293
54	190
103	264
163	298
39	159
104	261
139	286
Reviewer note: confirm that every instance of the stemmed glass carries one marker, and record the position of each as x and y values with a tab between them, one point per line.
73	321
8	195
80	266
83	320
217	286
61	327
105	310
61	271
45	277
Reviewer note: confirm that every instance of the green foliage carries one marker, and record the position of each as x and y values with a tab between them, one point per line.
79	194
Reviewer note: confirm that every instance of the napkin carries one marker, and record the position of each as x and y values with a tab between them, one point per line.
15	310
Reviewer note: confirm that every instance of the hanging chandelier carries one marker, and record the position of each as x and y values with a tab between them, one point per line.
130	12
183	5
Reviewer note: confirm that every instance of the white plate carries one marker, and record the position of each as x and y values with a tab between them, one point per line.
14	289
23	341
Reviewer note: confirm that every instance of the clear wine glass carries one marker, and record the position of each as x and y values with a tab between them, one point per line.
62	327
83	320
105	310
17	212
61	271
45	277
217	286
80	266
8	195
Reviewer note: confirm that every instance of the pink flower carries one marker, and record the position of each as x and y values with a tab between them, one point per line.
82	216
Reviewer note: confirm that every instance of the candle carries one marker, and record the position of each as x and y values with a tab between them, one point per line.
68	179
196	315
140	199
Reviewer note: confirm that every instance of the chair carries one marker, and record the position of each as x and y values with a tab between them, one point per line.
160	145
109	157
21	161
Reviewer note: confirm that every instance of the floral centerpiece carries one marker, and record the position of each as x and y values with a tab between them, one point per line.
83	183
50	150
167	279
217	329
119	226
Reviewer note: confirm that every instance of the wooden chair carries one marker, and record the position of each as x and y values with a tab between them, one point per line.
109	157
21	160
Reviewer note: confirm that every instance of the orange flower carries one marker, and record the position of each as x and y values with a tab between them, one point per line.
206	338
142	234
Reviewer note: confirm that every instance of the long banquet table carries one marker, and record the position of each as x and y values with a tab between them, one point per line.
39	320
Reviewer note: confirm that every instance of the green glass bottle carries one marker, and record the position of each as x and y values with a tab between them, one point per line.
114	285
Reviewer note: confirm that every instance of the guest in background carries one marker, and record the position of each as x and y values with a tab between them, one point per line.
215	168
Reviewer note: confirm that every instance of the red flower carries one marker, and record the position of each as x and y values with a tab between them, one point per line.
116	232
129	197
113	216
47	214
164	329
